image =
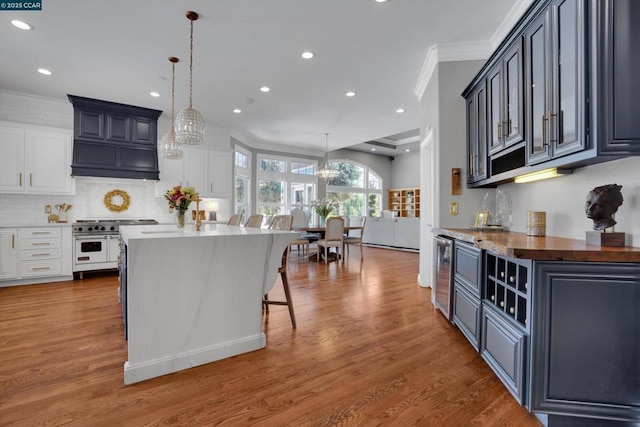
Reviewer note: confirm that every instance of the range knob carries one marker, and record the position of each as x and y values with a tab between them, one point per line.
102	228
89	229
112	228
79	229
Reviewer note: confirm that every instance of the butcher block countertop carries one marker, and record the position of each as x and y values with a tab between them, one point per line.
519	245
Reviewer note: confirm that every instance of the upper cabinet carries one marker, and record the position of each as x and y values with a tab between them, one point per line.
558	92
35	160
505	113
477	134
209	172
555	81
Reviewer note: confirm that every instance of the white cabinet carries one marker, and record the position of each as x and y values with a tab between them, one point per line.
8	253
170	175
35	160
209	172
35	255
394	232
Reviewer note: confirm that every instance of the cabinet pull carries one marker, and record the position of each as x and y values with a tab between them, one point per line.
211	187
30	180
510	130
471	173
499	130
47	254
40	232
41	268
13	241
20	179
544	141
505	132
40	244
550	127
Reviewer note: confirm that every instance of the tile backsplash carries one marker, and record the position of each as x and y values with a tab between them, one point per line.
88	203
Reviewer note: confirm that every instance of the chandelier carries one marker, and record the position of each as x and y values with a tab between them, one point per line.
170	148
190	123
326	172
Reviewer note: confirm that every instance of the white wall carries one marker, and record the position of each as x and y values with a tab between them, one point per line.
563	199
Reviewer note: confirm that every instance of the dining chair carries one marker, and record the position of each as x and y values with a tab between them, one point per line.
254	221
281	222
333	237
356	238
235	219
300	220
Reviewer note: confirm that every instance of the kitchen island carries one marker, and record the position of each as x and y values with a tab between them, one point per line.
191	298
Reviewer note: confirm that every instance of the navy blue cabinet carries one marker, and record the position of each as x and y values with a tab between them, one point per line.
579	71
114	140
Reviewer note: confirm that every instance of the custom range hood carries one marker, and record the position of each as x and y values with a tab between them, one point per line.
114	140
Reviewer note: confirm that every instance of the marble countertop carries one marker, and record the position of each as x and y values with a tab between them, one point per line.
43	224
545	248
137	232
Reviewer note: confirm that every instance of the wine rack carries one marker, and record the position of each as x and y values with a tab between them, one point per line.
507	286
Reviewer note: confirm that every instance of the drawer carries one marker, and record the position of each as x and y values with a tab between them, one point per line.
466	313
40	232
40	243
467	268
49	267
44	253
504	348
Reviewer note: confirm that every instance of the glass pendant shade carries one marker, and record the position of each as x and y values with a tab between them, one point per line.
170	148
189	123
189	127
326	172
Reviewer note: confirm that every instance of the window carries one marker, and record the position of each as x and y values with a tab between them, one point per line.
349	189
242	173
284	183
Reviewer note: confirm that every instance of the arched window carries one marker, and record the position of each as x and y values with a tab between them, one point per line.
358	189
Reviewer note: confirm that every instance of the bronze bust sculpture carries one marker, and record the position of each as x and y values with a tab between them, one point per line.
602	203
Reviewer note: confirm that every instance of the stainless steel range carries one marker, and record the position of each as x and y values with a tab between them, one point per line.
96	243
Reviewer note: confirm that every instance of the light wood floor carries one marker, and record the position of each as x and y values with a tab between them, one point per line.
369	350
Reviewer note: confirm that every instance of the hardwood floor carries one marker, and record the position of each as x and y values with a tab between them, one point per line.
370	349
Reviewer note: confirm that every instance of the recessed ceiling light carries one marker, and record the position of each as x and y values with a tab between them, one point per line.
265	89
22	25
44	71
400	110
381	1
350	93
308	55
154	94
237	110
373	149
407	150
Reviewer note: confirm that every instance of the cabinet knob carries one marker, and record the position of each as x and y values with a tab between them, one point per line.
512	279
512	310
501	303
492	298
502	274
525	285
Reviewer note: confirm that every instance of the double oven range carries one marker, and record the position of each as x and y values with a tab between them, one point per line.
96	243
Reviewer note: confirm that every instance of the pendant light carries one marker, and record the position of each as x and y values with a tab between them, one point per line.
190	123
326	172
170	148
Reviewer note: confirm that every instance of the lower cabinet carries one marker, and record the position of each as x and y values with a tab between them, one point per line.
586	342
8	253
504	348
35	255
466	313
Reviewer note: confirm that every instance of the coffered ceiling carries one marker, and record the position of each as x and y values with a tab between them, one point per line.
117	50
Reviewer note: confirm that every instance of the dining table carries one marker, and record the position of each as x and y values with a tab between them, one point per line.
320	230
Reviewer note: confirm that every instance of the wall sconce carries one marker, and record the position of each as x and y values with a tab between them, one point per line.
543	174
213	207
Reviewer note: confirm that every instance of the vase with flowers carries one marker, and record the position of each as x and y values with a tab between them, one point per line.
179	200
324	208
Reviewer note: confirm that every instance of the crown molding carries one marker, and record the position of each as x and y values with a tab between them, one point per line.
467	51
